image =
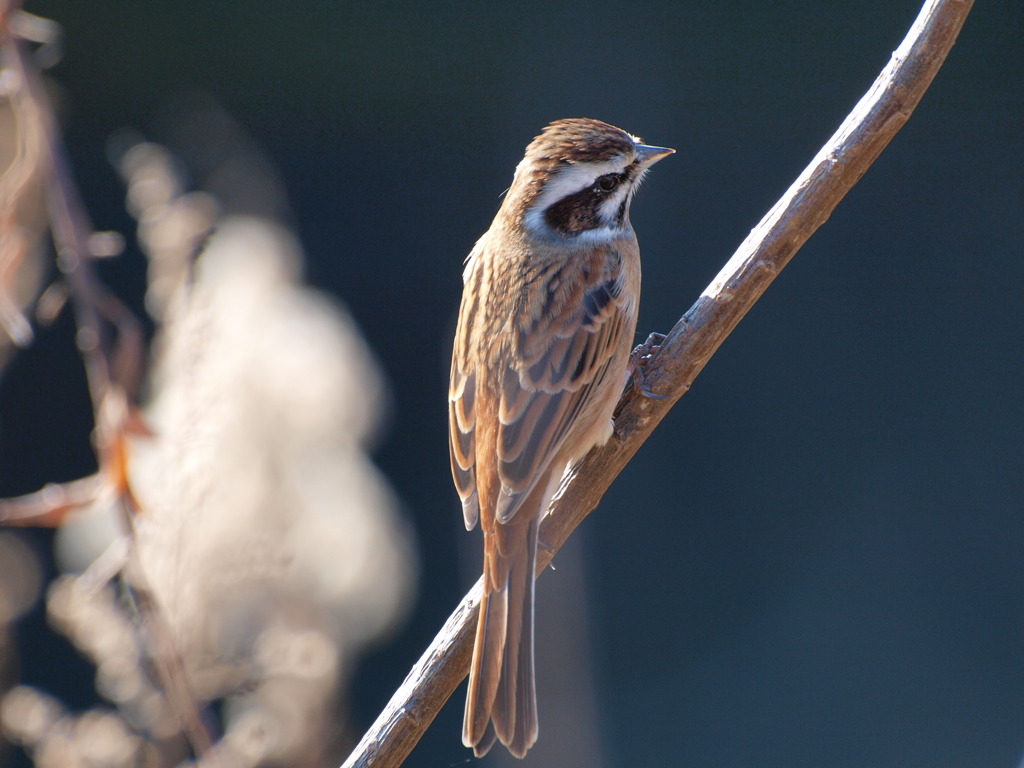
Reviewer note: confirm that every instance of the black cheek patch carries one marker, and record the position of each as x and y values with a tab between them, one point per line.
575	213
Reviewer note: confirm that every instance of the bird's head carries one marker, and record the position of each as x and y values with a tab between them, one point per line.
577	179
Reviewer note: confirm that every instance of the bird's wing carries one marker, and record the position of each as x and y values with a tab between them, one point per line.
563	362
462	437
538	382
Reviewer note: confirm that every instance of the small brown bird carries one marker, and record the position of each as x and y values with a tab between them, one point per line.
541	352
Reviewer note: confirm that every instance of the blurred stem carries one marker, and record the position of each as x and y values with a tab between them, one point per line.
112	370
170	667
804	207
68	221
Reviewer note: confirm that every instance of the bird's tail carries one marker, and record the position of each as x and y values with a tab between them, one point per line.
502	699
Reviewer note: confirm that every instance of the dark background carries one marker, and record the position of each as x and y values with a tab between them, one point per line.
819	556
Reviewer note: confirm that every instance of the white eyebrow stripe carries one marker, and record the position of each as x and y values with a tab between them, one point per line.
570	179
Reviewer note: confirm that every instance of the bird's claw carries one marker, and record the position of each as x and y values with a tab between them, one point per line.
637	358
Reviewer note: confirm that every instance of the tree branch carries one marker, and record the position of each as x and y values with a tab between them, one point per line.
806	205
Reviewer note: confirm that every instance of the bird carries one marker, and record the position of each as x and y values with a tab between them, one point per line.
541	356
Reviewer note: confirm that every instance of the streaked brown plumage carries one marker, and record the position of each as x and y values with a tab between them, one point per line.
543	341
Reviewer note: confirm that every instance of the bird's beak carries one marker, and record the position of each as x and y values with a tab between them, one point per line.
648	156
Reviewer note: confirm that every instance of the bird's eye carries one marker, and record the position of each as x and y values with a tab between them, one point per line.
609	181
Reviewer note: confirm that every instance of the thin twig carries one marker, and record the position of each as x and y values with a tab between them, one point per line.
806	205
68	220
167	659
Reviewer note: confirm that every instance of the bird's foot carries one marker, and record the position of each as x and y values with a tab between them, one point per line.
637	358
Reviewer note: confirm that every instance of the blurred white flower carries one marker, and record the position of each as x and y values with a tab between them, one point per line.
270	541
270	547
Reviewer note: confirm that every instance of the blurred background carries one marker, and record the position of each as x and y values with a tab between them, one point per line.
818	558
